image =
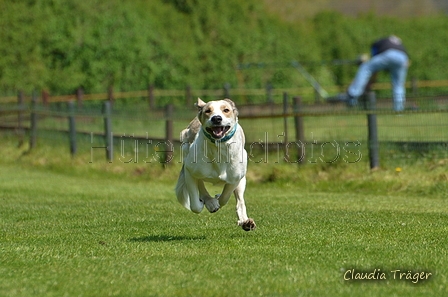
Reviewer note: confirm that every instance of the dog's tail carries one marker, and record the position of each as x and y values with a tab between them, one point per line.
181	190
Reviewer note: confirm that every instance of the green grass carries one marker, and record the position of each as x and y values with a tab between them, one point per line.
73	228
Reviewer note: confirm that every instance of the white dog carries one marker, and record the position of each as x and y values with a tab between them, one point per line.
213	151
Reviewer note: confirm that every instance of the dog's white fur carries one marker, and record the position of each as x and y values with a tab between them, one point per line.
211	153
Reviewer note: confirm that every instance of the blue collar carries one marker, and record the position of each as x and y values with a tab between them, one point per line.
225	138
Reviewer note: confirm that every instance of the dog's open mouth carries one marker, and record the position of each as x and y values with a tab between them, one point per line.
218	132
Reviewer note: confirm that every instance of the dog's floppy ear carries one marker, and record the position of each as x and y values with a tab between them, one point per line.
200	104
235	110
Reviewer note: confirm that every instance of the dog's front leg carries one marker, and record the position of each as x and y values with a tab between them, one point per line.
240	203
196	204
246	223
212	204
226	193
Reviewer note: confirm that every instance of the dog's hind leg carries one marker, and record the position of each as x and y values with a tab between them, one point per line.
212	204
181	190
246	223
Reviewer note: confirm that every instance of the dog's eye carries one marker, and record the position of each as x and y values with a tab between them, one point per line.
208	111
226	110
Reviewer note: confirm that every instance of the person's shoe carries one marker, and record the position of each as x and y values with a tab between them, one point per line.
352	101
343	97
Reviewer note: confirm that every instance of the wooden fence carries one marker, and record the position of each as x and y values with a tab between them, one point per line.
22	112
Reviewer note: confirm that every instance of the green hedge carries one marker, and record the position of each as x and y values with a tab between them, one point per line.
60	45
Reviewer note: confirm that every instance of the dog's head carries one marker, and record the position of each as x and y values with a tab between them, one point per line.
217	117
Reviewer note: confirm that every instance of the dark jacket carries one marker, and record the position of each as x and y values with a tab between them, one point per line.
382	45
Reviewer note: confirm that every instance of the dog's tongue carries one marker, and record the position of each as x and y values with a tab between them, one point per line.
218	132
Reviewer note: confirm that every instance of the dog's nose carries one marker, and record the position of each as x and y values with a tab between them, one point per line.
217	119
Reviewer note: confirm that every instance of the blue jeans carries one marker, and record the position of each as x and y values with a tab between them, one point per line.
392	60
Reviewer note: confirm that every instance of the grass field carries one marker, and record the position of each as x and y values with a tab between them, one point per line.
74	228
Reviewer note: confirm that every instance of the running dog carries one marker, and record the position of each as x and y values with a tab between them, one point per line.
213	151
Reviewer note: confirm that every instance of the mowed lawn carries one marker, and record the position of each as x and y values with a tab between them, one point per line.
68	234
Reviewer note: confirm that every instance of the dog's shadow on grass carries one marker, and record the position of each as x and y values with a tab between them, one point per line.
166	238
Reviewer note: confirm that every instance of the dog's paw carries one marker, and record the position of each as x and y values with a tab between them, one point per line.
212	205
248	225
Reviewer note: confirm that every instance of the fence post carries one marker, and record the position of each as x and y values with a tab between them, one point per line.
72	127
45	96
269	93
20	130
110	95
372	131
79	96
226	90
33	117
298	123
151	97
108	131
188	97
414	84
285	112
169	133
